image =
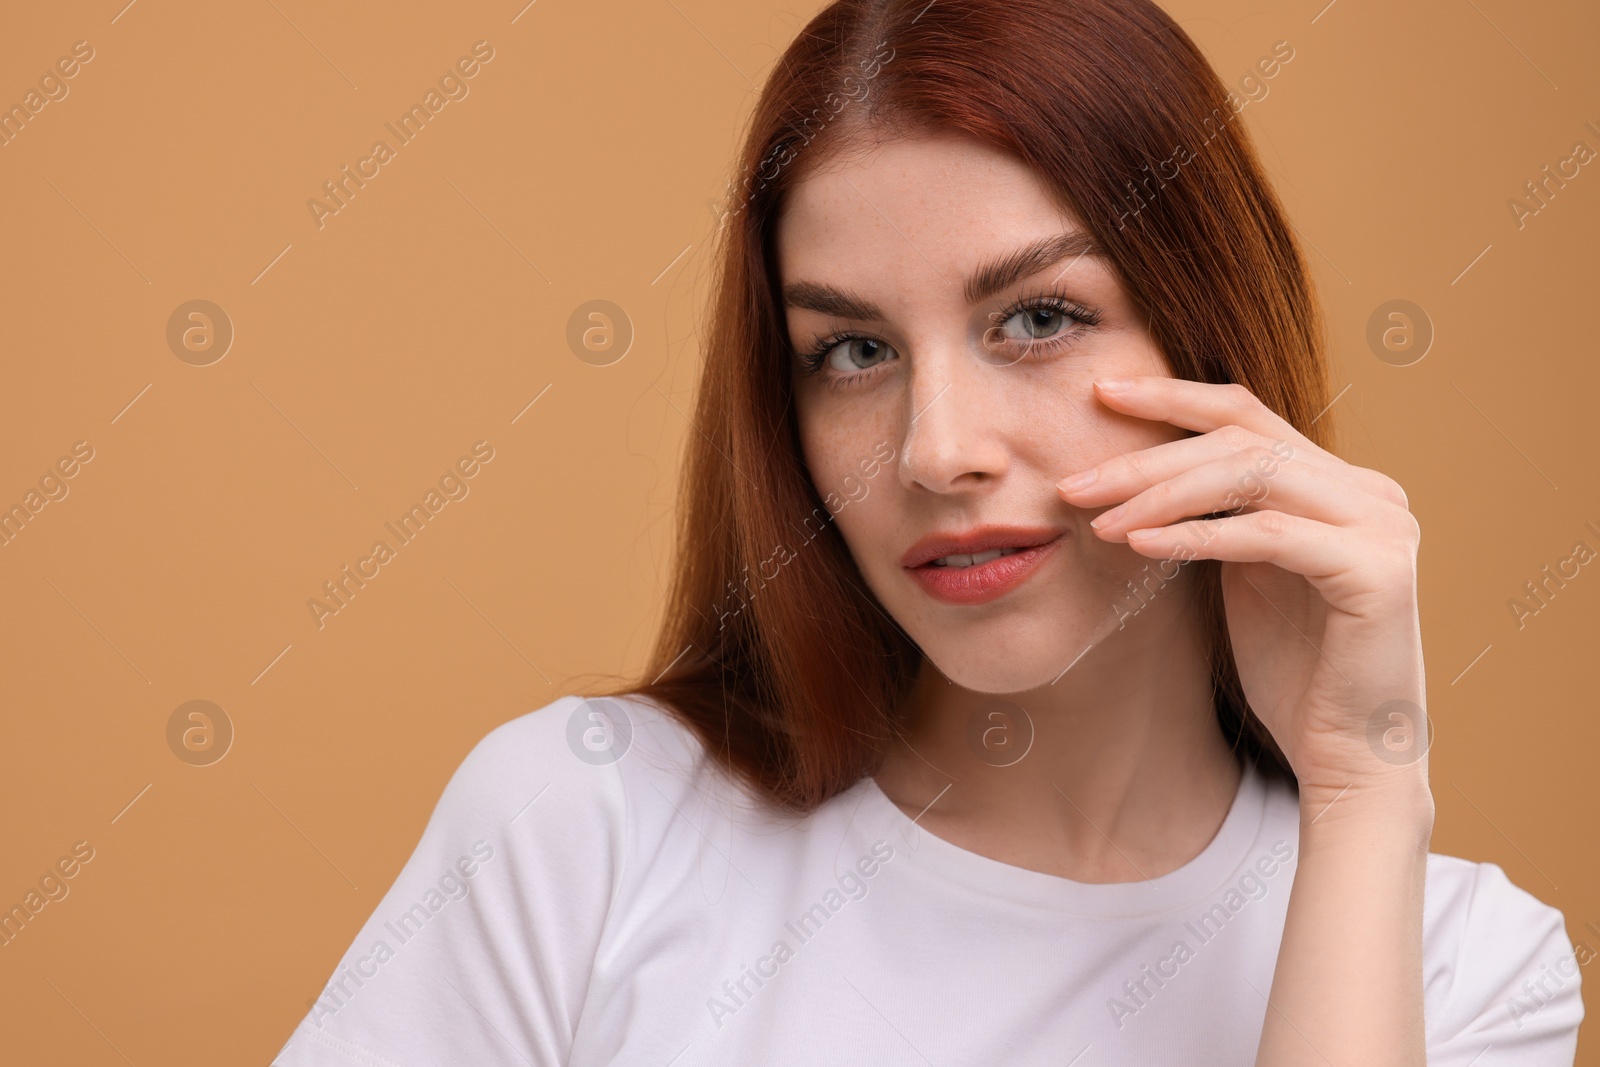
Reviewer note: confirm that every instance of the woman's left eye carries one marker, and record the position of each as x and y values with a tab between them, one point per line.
1045	320
1034	324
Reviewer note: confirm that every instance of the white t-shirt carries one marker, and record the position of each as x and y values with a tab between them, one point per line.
590	895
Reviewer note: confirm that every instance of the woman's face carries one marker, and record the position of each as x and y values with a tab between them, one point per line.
963	398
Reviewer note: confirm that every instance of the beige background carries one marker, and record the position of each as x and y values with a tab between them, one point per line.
586	163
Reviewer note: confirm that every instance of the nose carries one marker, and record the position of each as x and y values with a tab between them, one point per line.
955	424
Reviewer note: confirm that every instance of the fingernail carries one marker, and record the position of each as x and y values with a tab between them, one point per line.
1114	385
1106	518
1081	480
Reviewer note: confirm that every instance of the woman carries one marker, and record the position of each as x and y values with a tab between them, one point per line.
943	756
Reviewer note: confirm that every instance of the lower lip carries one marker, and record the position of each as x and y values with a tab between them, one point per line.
984	582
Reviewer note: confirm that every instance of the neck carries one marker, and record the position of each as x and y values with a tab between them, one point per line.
1127	775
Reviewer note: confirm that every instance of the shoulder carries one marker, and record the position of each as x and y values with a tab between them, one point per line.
593	759
507	898
1499	969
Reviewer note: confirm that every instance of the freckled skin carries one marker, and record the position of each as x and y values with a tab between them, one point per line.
903	226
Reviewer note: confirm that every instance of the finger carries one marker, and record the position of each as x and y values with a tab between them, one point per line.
1150	465
1117	478
1319	552
1203	406
1239	482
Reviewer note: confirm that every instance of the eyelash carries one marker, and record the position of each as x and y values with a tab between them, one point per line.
812	359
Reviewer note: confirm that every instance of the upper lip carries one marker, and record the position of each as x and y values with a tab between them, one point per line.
978	539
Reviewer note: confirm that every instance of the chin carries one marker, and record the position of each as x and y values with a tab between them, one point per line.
1011	654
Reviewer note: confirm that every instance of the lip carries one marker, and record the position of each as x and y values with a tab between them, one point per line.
986	581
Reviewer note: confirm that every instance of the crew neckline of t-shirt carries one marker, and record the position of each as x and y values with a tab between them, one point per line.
993	878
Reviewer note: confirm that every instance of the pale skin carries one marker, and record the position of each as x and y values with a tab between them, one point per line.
990	405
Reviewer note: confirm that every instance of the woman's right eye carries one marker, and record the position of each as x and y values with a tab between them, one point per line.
853	354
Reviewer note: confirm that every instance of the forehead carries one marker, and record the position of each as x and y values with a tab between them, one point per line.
934	204
932	213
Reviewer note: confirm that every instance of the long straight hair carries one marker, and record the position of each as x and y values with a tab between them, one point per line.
771	649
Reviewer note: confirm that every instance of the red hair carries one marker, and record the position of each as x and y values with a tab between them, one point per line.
772	649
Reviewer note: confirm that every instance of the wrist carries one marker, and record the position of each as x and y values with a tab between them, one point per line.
1399	808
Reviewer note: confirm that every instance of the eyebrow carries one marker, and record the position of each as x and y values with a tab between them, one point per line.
989	279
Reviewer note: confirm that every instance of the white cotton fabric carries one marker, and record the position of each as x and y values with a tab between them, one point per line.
561	909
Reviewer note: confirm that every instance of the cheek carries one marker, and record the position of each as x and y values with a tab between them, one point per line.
1064	426
843	444
845	457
